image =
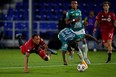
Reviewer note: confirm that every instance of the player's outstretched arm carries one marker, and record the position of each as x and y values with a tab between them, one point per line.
97	23
26	62
91	37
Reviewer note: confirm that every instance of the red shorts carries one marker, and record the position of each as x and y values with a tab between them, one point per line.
23	49
107	36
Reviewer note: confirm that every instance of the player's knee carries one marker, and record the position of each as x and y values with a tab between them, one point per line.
105	44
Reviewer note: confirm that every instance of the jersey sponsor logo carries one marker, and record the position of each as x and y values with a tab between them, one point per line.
72	12
77	14
106	19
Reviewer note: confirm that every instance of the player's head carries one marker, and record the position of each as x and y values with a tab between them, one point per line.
106	5
91	13
74	4
36	39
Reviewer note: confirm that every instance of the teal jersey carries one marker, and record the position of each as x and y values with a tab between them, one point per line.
66	35
72	14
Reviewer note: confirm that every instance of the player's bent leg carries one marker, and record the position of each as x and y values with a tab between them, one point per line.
71	53
19	37
87	61
85	52
74	44
43	55
52	51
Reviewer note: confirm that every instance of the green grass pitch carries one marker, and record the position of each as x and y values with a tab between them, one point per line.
11	65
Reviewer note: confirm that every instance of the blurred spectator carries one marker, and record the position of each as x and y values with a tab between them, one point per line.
62	23
89	29
55	43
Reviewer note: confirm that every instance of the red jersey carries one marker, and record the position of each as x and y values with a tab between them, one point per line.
29	45
106	20
106	25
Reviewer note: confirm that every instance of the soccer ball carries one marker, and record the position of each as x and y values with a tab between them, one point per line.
81	67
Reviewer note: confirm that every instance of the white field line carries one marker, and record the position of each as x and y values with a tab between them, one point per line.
53	66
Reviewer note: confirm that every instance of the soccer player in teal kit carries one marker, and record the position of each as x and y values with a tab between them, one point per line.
69	38
74	19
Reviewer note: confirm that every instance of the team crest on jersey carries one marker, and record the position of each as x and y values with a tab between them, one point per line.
109	18
106	19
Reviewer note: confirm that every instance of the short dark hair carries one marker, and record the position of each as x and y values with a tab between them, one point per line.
106	2
34	35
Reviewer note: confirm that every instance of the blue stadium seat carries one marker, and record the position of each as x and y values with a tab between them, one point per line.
10	14
8	26
35	27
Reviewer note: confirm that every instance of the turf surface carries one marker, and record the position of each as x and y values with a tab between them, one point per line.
11	65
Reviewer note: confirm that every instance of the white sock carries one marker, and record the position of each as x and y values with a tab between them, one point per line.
80	55
85	50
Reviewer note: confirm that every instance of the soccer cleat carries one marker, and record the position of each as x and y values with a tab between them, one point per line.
52	51
87	61
108	60
83	62
65	63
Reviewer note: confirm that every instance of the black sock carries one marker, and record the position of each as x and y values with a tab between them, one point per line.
109	56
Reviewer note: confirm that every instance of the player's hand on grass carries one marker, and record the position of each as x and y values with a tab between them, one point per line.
26	70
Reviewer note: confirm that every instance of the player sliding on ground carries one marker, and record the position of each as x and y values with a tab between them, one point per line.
34	45
69	38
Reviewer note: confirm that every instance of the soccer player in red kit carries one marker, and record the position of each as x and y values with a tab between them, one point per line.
34	45
106	20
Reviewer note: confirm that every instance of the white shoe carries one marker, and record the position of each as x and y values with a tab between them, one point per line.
94	50
85	64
